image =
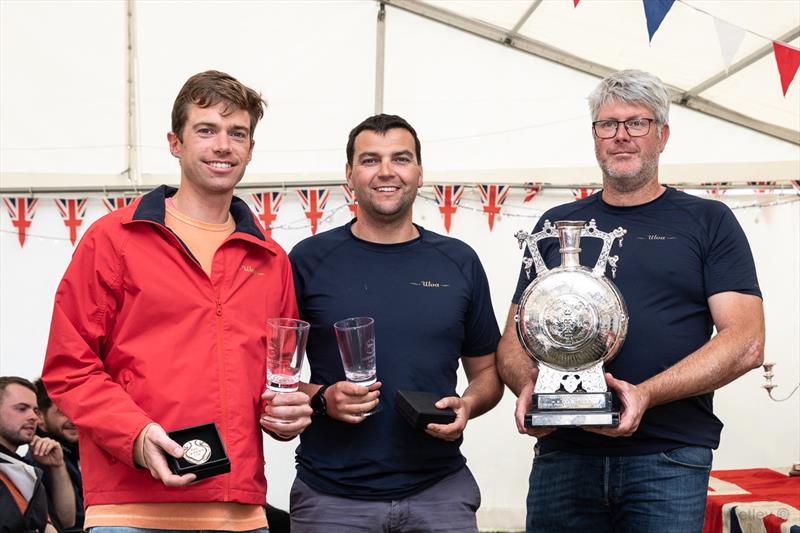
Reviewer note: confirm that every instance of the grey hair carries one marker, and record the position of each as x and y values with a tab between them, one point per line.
632	87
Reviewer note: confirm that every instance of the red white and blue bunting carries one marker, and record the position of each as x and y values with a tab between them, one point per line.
729	35
448	196
314	201
489	200
493	197
21	211
350	198
72	210
266	208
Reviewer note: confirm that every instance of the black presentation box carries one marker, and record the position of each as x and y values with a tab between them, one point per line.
418	408
217	462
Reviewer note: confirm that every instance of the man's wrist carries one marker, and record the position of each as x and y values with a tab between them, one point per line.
319	404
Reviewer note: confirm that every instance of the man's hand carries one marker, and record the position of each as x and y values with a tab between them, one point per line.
286	414
149	448
524	405
46	451
635	401
347	401
455	429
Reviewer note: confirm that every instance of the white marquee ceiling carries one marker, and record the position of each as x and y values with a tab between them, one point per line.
598	36
509	111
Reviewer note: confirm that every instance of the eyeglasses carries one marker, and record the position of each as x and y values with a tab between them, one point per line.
636	127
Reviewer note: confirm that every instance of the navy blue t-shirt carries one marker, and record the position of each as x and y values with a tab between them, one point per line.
431	304
679	250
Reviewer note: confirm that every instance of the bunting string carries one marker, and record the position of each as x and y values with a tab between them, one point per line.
488	200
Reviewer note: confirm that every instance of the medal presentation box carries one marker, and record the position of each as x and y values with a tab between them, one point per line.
418	408
203	452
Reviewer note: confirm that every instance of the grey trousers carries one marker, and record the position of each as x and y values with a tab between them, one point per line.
447	507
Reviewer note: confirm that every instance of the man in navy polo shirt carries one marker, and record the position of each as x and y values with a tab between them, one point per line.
686	268
430	300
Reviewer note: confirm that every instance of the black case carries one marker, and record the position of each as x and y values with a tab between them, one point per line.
417	407
217	464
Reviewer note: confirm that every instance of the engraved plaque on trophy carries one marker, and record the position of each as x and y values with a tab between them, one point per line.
571	320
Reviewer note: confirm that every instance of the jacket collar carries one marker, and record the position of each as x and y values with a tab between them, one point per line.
150	208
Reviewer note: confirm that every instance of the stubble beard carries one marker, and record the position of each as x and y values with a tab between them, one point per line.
633	180
13	437
388	215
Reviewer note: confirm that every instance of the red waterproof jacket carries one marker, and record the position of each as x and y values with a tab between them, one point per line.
141	334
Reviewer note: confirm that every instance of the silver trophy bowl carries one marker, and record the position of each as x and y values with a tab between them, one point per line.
571	320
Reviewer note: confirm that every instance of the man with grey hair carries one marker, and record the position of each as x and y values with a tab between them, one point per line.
686	268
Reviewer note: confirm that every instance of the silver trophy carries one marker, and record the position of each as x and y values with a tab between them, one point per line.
571	320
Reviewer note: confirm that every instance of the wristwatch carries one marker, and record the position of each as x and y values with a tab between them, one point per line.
318	403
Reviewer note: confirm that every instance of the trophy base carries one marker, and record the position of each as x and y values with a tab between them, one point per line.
572	409
560	401
572	418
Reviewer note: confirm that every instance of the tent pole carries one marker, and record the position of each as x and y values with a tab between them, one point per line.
380	53
133	170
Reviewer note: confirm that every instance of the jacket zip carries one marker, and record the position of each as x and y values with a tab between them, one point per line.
220	351
223	390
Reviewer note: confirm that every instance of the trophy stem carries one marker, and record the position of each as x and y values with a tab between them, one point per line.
569	235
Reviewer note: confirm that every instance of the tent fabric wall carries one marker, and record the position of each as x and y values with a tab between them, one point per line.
485	113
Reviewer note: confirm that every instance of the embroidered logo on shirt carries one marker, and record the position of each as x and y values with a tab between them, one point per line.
655	237
430	284
251	270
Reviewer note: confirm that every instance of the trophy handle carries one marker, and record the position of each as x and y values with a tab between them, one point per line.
548	230
590	230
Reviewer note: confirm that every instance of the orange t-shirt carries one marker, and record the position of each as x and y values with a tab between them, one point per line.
200	237
222	516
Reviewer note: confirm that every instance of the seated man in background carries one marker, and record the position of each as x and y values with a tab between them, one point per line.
56	425
24	501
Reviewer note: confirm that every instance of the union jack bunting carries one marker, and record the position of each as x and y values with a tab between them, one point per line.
758	184
267	205
350	198
492	197
117	202
711	187
448	196
795	185
72	211
582	192
313	201
532	190
21	211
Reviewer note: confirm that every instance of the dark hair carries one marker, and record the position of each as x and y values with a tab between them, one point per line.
42	398
381	124
5	381
211	87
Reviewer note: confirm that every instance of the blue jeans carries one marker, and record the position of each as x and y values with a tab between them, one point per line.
123	529
661	492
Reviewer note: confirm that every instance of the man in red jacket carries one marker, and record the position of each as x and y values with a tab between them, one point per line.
159	324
